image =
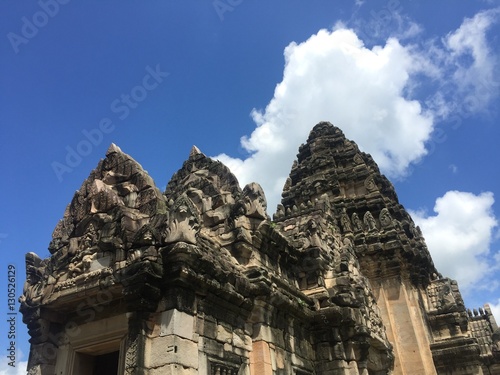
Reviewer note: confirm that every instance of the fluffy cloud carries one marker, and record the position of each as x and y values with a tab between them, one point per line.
495	309
470	39
369	93
20	366
468	66
20	369
459	236
332	76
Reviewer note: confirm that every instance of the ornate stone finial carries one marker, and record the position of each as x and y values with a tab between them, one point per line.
288	183
280	211
195	151
113	149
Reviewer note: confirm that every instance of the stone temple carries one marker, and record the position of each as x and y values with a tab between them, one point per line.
200	280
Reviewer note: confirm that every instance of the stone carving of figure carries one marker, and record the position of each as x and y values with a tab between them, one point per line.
183	223
79	267
397	224
348	247
312	234
89	239
146	236
370	184
250	211
345	222
255	201
369	221
33	286
385	218
131	198
356	222
446	300
280	211
323	203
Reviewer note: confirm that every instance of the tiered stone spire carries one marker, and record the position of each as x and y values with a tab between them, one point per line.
331	171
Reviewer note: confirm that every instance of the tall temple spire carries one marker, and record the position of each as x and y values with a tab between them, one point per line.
364	206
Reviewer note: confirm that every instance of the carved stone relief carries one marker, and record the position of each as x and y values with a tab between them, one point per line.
369	221
183	223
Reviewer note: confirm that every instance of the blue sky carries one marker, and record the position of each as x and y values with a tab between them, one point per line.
414	83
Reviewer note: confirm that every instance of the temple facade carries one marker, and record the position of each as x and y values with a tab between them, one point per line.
200	280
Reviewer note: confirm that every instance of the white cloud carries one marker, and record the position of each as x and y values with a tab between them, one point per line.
469	67
20	365
495	309
369	93
469	40
383	22
332	76
20	369
459	236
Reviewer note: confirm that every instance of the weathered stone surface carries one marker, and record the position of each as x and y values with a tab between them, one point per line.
339	282
172	349
174	322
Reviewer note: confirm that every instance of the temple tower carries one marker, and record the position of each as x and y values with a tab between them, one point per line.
200	280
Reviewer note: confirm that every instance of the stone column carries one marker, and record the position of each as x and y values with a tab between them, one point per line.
45	342
135	345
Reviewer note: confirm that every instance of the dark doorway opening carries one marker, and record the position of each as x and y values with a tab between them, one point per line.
106	364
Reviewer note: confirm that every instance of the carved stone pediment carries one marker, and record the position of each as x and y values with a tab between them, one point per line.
99	227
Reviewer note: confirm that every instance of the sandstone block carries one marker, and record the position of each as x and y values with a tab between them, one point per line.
174	322
173	349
